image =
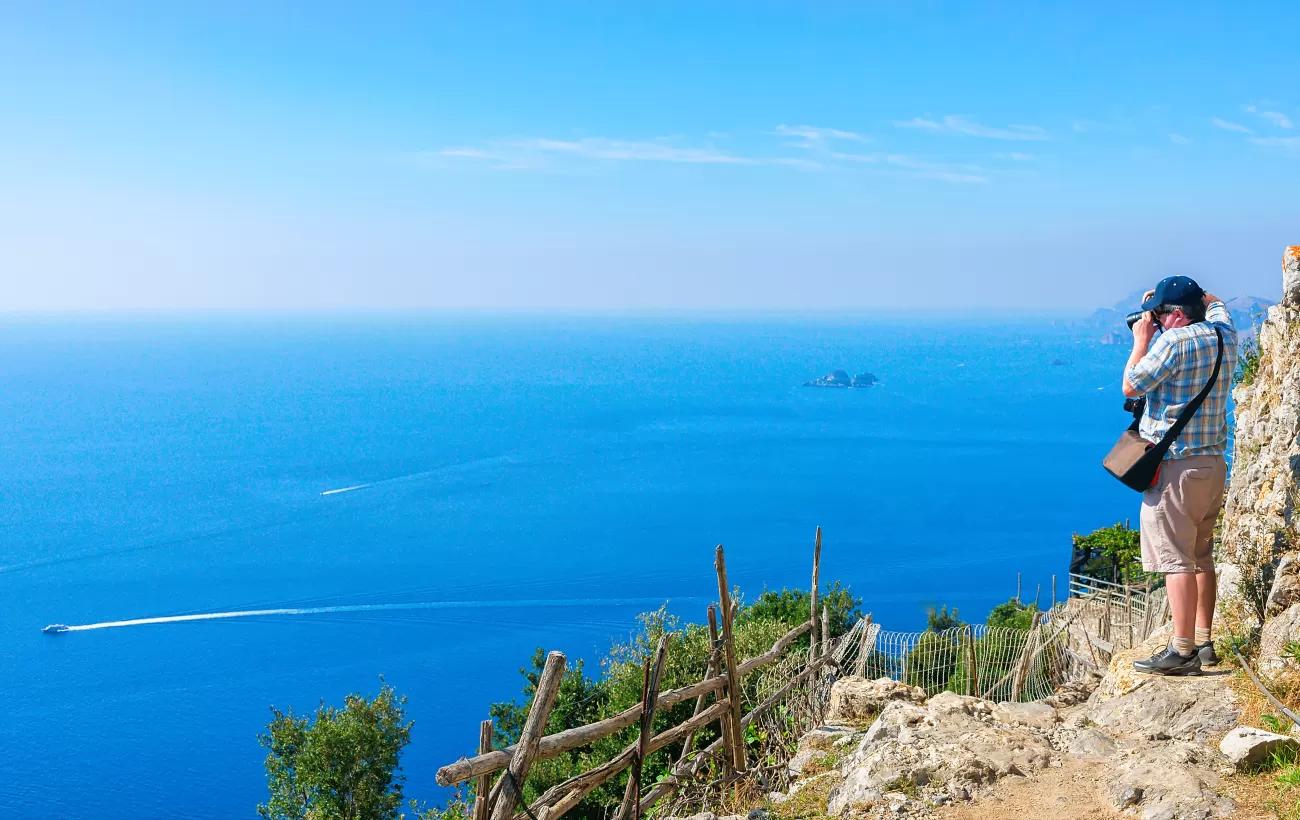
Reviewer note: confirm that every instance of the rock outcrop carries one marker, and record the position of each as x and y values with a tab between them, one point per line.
1261	532
1157	741
840	378
856	700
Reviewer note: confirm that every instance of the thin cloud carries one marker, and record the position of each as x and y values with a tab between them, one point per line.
811	137
1276	117
1017	156
1231	126
960	125
1287	145
1179	139
540	154
632	150
917	168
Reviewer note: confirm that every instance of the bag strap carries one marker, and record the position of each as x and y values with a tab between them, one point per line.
1185	417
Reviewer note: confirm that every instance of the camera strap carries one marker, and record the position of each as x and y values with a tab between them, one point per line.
1136	461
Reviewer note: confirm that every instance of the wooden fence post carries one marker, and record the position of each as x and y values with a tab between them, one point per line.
826	631
631	807
812	612
1022	670
484	787
1053	592
1128	608
973	674
737	744
1017	587
512	781
711	669
863	649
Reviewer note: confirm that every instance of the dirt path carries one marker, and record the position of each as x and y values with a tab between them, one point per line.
1069	792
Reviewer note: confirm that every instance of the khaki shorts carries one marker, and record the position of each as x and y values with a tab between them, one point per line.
1179	512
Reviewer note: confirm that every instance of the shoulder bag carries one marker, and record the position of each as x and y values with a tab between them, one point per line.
1136	461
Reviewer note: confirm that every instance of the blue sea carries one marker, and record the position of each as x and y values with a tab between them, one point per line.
523	482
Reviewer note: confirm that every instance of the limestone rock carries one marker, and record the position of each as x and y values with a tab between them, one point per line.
950	746
1246	746
815	746
1291	276
1036	715
858	700
1167	781
1274	637
1286	586
1092	745
1260	519
1168	708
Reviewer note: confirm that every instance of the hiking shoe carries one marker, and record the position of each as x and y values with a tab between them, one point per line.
1207	654
1169	662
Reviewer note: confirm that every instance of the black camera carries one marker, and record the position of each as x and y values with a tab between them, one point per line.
1136	316
1136	406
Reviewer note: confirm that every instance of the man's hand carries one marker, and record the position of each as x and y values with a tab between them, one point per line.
1209	299
1144	330
1148	294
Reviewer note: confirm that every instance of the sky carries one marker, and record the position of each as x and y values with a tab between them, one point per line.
642	156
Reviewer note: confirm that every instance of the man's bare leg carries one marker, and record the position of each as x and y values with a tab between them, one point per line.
1184	598
1207	587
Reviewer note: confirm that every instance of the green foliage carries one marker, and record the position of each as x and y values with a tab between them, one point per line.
1012	615
340	764
1117	552
937	620
1274	723
792	607
583	700
1247	363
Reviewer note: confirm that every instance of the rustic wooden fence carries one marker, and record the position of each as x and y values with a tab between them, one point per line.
791	693
721	684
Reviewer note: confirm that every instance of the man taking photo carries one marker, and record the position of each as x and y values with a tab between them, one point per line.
1180	509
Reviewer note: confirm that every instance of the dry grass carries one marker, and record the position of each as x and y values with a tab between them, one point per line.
807	803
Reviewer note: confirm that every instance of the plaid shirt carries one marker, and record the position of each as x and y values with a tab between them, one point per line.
1174	370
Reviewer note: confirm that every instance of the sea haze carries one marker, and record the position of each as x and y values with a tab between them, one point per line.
517	483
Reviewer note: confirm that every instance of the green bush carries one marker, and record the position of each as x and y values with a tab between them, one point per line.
1247	363
1116	553
340	764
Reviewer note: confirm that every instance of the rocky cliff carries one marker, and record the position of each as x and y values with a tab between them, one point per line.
1260	534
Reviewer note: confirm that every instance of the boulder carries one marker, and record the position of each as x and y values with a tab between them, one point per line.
1276	634
1285	592
1168	708
1090	744
1247	746
1035	715
856	700
951	748
1167	781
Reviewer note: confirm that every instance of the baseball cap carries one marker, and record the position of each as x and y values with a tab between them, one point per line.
1174	290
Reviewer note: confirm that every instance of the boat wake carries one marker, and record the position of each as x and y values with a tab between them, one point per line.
400	607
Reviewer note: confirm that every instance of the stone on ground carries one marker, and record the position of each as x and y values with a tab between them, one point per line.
1247	746
858	700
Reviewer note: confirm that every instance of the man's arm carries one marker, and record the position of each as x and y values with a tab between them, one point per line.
1216	312
1144	330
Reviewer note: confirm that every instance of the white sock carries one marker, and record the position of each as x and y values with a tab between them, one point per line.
1202	635
1183	646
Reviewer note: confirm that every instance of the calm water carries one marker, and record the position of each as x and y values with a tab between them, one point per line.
155	468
